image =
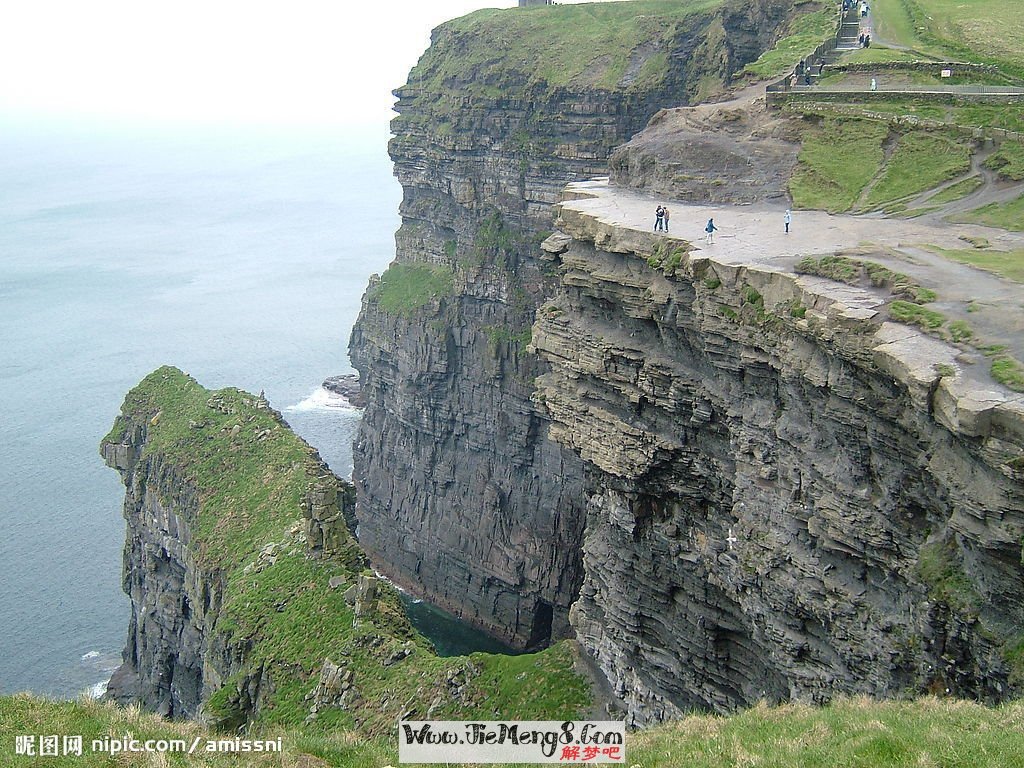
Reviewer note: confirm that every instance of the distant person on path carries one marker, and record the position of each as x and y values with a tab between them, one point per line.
821	68
659	218
874	84
861	39
807	77
788	219
867	41
710	228
666	219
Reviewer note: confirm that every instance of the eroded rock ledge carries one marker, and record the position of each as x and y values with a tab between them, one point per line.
788	497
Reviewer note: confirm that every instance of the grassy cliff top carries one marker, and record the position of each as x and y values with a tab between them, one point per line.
965	30
251	476
252	473
613	46
852	732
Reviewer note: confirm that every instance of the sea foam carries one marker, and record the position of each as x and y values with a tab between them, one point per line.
323	400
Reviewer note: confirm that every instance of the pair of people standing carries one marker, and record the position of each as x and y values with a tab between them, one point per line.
661	217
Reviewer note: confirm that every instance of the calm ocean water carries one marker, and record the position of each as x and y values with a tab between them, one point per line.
240	261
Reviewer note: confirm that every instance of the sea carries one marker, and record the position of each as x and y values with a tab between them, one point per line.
239	256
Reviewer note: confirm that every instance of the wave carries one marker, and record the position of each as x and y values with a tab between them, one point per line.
96	690
323	400
90	655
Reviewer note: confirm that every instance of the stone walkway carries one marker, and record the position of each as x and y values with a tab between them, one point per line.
755	235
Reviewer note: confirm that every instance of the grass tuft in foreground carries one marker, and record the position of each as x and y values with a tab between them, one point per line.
848	733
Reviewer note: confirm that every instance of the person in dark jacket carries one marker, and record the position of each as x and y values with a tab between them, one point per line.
659	218
710	229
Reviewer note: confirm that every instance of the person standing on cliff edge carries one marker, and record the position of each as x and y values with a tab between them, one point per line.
710	229
788	219
659	218
665	222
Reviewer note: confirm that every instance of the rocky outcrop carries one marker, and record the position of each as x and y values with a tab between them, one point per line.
178	650
348	387
246	585
462	496
787	497
731	152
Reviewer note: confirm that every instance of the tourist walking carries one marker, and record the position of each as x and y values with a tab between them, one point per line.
710	229
874	84
665	222
788	219
659	218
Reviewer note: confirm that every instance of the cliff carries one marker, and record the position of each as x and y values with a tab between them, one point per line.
461	494
252	601
788	496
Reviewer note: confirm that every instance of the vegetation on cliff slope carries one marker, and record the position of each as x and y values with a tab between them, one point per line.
849	732
611	46
253	476
405	288
806	32
864	164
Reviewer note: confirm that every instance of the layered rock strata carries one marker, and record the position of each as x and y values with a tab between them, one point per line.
788	497
178	652
462	497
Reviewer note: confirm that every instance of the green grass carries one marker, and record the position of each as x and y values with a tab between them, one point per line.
960	331
1009	372
859	733
915	314
892	23
1009	215
404	289
1008	264
878	54
1008	161
666	259
940	568
956	191
985	31
591	45
855	272
807	32
920	161
1007	116
984	116
252	486
837	160
501	335
838	268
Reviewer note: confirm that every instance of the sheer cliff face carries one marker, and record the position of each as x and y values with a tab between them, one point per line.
781	505
462	496
174	603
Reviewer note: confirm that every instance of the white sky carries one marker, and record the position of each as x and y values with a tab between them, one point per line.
302	62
